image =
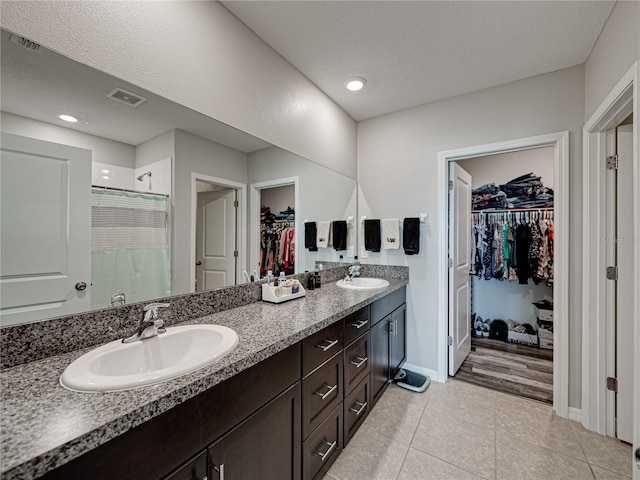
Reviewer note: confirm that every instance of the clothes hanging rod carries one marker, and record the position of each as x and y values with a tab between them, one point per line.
507	210
116	189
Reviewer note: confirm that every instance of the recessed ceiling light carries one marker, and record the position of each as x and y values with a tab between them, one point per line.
356	83
68	118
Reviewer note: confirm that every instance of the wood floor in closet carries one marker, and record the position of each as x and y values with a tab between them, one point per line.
509	367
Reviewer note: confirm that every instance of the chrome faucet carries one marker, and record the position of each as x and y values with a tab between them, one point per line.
150	325
349	276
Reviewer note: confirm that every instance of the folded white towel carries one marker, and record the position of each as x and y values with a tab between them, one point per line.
390	233
324	231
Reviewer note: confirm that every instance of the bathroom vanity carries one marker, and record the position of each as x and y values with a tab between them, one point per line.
283	404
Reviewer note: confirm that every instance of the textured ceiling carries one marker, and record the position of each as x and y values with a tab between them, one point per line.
416	52
41	86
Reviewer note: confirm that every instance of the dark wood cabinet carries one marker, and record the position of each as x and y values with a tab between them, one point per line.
288	417
379	358
388	350
356	324
194	469
397	339
265	445
322	447
356	408
356	362
321	346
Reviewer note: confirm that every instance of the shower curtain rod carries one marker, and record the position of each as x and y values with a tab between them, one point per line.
115	189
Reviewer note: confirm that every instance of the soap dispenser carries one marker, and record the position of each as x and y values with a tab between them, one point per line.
356	267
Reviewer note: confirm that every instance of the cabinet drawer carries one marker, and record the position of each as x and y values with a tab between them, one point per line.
356	362
356	408
384	306
323	446
321	392
321	346
356	324
194	469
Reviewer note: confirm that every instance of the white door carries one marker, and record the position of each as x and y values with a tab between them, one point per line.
216	251
625	291
45	229
459	266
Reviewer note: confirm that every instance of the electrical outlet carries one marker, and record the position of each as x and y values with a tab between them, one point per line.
363	253
350	252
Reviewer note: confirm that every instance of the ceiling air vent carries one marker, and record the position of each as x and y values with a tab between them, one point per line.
26	43
131	99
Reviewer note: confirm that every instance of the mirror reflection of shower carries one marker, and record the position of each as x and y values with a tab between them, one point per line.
140	178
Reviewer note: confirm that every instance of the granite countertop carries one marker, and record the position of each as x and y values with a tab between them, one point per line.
43	425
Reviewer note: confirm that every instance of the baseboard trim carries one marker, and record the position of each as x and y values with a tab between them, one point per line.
575	414
422	371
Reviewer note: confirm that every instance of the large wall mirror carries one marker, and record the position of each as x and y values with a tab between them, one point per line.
140	197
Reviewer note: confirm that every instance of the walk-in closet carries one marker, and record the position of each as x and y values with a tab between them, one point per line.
277	230
511	274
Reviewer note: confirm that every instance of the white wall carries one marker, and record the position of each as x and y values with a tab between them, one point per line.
618	46
102	149
199	55
278	199
324	195
397	165
196	154
499	169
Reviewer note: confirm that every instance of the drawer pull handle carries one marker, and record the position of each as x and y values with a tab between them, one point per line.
360	324
328	392
359	361
324	455
220	470
358	411
324	348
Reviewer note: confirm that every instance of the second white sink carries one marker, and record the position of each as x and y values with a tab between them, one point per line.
363	283
121	366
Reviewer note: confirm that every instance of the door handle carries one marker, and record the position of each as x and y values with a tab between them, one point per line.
198	263
328	392
331	343
219	469
331	446
81	286
359	325
359	361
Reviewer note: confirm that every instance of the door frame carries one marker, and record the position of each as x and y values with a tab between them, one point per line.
241	238
620	102
254	217
560	143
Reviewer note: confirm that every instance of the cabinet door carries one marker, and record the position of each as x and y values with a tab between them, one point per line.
379	358
195	469
266	445
397	339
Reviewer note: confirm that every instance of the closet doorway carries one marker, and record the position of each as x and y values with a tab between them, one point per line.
217	246
507	355
510	272
273	227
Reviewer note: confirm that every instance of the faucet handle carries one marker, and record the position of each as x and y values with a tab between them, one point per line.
155	306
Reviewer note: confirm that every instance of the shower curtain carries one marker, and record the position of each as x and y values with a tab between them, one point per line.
129	246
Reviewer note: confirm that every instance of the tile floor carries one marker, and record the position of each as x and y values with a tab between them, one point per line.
459	431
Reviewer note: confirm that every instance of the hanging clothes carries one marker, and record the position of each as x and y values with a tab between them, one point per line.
277	247
513	245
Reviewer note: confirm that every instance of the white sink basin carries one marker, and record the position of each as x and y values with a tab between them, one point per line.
363	283
121	366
